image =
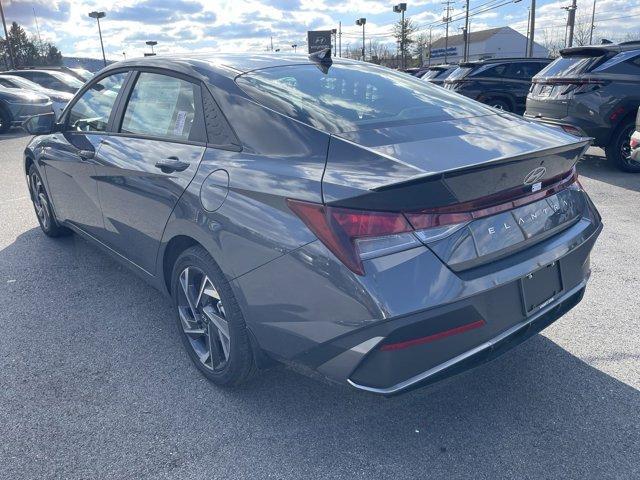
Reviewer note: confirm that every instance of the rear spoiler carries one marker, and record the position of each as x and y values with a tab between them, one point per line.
588	51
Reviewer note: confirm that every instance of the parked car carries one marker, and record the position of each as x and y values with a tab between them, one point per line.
385	239
16	106
438	73
51	79
592	91
500	82
634	142
58	99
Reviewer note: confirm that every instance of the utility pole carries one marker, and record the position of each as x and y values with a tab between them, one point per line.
465	31
446	20
593	26
272	43
340	39
6	37
362	22
571	21
532	29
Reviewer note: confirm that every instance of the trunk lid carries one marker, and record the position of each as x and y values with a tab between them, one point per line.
436	164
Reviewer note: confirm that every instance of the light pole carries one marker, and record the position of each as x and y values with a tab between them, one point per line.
98	16
294	46
362	21
151	43
532	29
401	8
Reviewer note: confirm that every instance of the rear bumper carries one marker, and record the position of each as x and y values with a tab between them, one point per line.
498	321
486	351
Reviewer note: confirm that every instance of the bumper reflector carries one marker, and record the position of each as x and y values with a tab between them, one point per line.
432	338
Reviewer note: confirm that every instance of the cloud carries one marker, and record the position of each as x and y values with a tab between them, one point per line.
22	12
158	11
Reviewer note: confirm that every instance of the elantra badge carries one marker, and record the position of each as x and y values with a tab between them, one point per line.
534	175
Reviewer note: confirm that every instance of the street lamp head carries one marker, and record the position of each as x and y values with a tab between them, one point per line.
401	7
151	43
97	15
361	21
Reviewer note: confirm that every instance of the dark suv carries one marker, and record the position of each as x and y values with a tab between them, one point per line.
592	91
500	82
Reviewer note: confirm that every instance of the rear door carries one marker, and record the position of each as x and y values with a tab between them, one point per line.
146	164
69	156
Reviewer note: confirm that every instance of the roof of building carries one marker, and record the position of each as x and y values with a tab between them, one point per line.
478	36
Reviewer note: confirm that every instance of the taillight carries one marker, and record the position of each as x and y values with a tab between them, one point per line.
357	235
354	235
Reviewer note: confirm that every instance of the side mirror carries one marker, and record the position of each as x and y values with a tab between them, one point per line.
40	124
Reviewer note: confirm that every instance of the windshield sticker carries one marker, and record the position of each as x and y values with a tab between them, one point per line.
179	125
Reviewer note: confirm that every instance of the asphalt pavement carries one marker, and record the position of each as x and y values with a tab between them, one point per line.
94	382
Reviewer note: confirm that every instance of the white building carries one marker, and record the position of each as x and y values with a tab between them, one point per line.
492	43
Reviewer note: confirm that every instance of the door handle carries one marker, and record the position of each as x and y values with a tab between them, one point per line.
171	164
86	154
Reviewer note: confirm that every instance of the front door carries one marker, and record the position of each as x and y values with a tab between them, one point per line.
69	156
143	169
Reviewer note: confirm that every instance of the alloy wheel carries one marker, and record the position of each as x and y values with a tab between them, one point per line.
625	148
40	201
203	318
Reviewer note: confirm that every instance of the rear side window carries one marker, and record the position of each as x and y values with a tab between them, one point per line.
625	63
90	113
160	106
498	71
524	70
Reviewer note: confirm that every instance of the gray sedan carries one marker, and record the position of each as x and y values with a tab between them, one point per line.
331	213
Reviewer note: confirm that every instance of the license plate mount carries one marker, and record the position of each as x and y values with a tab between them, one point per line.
541	287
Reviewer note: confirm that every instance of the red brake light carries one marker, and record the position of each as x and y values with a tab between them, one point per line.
338	228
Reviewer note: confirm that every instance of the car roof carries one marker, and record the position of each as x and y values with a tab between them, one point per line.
598	50
230	65
505	60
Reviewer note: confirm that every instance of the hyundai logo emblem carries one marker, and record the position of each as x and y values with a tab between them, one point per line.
534	175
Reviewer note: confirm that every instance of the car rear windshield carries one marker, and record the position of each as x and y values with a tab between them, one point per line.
459	73
568	66
352	97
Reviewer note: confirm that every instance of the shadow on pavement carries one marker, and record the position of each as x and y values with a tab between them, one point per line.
14	133
96	381
597	167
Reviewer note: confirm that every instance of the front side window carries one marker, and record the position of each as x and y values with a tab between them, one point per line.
353	97
160	106
92	110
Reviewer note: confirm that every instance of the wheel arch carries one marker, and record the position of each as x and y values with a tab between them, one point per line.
175	246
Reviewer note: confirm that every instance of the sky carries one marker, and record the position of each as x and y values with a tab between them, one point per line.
247	25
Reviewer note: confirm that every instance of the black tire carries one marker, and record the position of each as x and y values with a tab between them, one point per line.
5	121
619	151
42	206
499	103
240	365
